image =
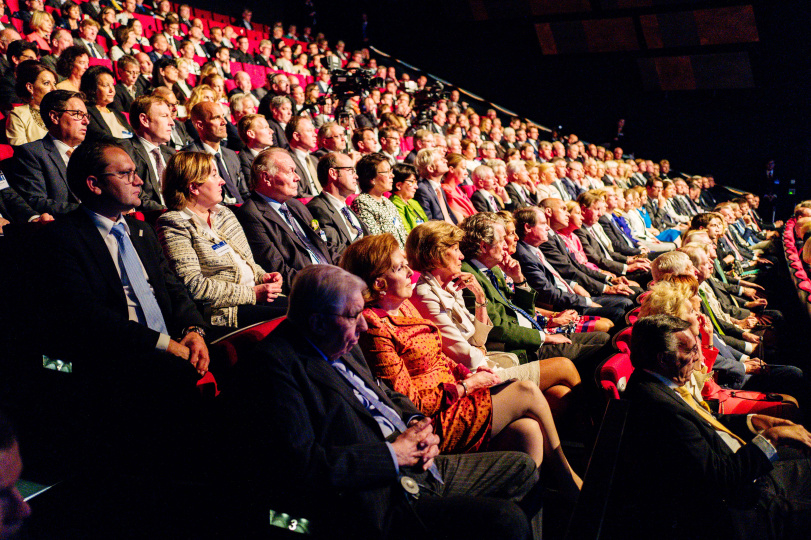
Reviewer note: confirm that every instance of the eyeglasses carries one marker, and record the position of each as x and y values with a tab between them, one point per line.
127	177
386	172
356	317
76	115
338	136
344	168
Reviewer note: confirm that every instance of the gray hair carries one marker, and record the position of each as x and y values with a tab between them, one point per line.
425	158
672	262
320	288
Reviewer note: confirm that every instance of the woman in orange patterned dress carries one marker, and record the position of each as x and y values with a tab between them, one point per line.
405	350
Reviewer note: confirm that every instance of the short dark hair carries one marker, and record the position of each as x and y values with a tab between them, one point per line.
17	47
64	66
525	216
653	336
122	33
292	126
127	60
367	170
28	72
90	81
87	160
651	181
401	173
327	162
56	100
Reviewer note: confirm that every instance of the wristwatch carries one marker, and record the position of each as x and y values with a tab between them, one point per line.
196	329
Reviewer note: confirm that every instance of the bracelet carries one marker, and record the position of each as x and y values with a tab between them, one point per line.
482	304
464	385
521	284
196	329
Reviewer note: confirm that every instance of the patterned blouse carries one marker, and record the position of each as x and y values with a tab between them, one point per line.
406	352
574	247
380	216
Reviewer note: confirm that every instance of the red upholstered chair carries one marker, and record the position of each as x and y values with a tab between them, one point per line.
147	21
237	66
632	316
6	151
101	62
805	285
613	374
305	200
622	340
241	341
230	84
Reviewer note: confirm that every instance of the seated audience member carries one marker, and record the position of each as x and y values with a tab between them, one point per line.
331	138
152	124
72	64
513	312
565	253
363	140
301	137
656	205
337	175
207	249
107	20
125	39
740	466
38	171
129	86
128	8
222	62
390	144
244	86
281	111
433	249
182	88
432	166
180	137
240	104
240	52
372	207
615	227
551	289
255	134
115	279
88	31
145	63
164	73
41	25
71	17
279	228
209	120
24	123
98	86
598	247
483	198
405	351
18	51
160	48
25	14
348	479
402	196
140	40
458	202
60	40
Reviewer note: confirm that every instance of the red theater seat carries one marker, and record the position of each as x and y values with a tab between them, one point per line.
613	374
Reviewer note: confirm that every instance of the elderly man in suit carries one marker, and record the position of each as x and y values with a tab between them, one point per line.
349	453
301	137
279	111
114	279
513	312
337	175
432	166
484	179
39	168
210	120
282	233
747	474
152	122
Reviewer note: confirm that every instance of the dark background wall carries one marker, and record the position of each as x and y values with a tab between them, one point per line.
716	87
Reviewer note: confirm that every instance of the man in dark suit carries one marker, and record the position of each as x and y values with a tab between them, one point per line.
255	134
517	179
152	123
302	139
209	119
14	209
262	56
552	291
118	307
658	215
278	114
432	165
38	170
339	180
279	228
611	290
748	475
484	179
351	464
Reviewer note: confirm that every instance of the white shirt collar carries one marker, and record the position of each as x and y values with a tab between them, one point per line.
334	201
105	225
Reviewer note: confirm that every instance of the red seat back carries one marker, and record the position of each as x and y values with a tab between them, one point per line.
240	341
622	340
613	374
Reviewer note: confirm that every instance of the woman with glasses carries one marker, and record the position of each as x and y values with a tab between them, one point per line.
402	196
372	207
98	86
72	64
207	248
24	123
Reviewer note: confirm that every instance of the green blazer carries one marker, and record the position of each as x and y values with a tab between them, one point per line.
411	212
506	329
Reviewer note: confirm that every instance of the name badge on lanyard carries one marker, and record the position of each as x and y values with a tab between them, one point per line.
3	182
221	248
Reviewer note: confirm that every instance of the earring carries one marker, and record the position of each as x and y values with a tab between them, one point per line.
382	294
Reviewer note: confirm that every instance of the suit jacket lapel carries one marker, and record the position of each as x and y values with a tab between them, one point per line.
337	218
53	153
98	249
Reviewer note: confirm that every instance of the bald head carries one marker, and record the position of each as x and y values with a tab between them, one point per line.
7	35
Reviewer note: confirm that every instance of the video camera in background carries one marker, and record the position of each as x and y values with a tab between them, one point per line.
425	102
347	83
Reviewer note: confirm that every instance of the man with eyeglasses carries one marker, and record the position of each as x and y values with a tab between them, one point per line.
331	138
337	175
39	168
390	144
129	86
118	309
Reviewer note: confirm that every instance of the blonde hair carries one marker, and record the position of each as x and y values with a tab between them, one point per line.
184	170
665	298
197	96
38	18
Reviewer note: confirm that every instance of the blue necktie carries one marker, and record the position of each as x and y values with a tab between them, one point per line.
348	215
301	236
232	188
494	280
370	400
132	272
